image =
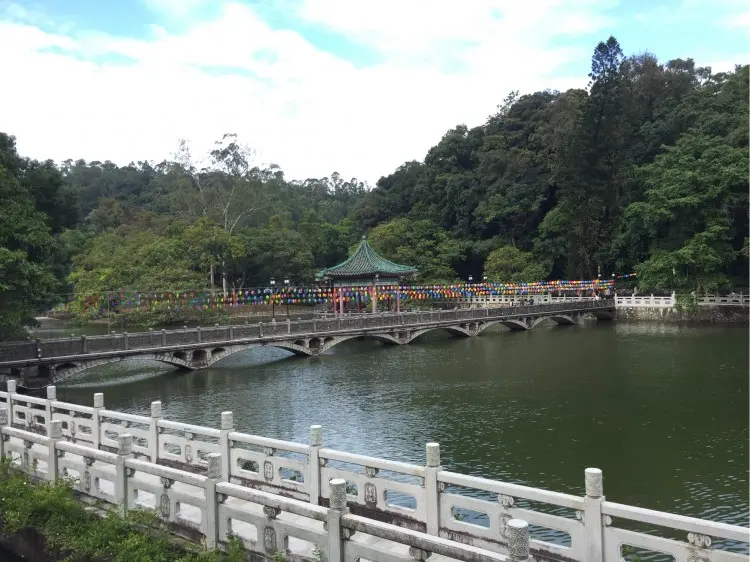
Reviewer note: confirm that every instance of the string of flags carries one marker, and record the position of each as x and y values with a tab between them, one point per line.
207	300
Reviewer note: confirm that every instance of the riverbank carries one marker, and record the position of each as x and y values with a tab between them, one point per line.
704	315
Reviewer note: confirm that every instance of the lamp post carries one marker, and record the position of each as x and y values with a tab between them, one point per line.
286	290
273	301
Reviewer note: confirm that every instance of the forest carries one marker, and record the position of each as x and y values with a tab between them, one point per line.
645	170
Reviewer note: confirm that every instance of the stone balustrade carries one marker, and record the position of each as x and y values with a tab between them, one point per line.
303	498
650	301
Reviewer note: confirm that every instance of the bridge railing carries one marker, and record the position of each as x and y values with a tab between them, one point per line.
418	498
70	347
208	511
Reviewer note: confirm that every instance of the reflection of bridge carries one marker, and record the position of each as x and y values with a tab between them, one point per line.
198	348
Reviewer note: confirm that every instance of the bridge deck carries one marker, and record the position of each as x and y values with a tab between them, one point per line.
311	334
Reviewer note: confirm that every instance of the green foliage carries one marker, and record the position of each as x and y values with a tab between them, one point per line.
509	264
27	252
419	243
687	304
78	534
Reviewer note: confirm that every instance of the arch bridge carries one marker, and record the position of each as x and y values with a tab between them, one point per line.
55	360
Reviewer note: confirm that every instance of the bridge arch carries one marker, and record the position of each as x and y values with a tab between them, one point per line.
514	324
191	360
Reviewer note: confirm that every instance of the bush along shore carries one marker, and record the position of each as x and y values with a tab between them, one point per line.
45	521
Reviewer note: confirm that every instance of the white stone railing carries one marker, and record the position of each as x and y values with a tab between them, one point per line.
726	300
210	482
650	301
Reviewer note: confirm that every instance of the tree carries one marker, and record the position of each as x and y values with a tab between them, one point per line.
274	254
227	190
420	244
26	250
508	264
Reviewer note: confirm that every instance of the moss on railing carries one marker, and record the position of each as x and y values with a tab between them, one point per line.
74	532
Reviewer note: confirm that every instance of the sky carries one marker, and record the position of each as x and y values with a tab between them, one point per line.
315	86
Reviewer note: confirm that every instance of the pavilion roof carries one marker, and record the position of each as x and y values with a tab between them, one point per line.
366	262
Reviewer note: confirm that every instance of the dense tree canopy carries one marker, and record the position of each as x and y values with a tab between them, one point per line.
643	170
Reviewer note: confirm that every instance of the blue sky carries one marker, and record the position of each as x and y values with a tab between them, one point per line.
316	86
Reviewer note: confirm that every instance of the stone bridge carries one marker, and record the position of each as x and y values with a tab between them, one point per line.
198	348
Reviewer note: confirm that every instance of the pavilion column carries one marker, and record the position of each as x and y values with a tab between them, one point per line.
398	299
341	300
374	293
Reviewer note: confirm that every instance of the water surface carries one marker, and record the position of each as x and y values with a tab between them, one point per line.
662	410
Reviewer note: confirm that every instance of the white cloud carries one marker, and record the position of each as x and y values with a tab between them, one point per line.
300	107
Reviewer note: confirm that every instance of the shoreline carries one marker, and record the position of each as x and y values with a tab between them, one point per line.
705	316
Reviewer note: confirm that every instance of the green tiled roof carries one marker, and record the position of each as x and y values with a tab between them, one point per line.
365	262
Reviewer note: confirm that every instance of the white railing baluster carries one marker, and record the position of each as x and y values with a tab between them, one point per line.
211	525
592	514
337	508
54	432
153	431
316	443
11	391
227	427
3	423
432	492
518	540
124	452
51	397
96	424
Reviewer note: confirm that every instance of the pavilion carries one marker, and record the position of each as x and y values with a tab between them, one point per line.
365	270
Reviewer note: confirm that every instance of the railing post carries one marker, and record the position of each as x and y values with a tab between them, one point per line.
163	337
337	509
198	331
54	432
316	443
231	333
153	431
260	329
96	431
432	491
288	326
214	469
518	540
3	423
11	392
84	344
125	346
227	426
124	452
592	514
51	397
